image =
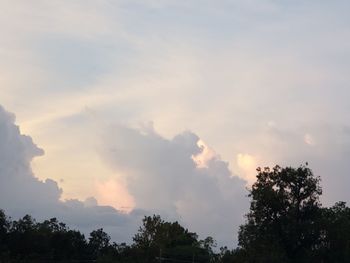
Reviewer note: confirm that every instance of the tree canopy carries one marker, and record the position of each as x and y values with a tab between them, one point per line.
282	222
286	223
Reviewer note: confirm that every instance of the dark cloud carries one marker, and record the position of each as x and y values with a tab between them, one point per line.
162	176
21	192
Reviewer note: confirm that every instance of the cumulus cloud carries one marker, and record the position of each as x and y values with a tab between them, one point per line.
19	187
163	176
181	179
21	192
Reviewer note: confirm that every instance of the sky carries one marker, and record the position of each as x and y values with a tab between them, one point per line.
114	109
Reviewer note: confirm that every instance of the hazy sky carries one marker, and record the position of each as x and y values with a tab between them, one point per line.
168	106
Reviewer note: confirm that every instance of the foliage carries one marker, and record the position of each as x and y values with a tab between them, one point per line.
27	240
98	242
286	224
157	238
335	234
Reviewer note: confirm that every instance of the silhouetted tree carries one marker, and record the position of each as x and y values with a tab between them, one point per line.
98	242
282	222
170	240
335	234
285	224
4	228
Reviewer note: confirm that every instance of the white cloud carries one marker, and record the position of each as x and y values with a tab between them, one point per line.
203	158
247	165
113	192
308	139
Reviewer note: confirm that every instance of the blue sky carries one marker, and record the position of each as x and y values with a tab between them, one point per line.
258	82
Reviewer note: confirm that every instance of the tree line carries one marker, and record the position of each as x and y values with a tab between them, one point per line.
286	223
26	240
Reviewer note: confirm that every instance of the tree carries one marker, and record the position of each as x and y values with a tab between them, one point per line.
4	224
98	242
156	233
335	235
52	225
23	239
169	239
148	233
284	210
4	228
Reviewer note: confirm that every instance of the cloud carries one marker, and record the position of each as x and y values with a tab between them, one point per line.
222	69
114	193
325	146
247	165
164	177
181	179
21	192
